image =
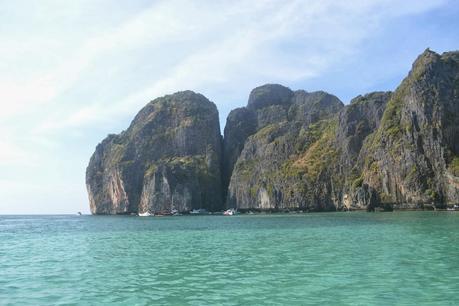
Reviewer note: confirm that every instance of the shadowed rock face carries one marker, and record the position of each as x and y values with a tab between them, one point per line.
358	120
169	158
289	150
240	124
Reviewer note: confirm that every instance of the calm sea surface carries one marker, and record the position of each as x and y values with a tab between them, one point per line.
400	258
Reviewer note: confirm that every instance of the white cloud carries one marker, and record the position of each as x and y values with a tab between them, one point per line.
227	44
12	154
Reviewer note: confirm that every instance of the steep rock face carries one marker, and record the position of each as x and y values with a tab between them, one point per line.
265	175
413	157
168	158
240	124
267	104
356	122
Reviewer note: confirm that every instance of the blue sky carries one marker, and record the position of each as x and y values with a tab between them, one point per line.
74	71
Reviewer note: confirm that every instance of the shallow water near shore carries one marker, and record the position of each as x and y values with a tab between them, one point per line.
357	258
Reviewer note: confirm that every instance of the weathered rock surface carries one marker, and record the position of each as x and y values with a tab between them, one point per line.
169	158
356	122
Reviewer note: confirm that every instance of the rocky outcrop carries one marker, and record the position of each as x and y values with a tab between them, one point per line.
412	157
169	158
289	150
265	176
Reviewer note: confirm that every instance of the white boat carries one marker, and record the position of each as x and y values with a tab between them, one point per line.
229	212
200	211
145	214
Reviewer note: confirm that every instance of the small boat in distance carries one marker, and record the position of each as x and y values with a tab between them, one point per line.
145	214
200	211
230	212
79	213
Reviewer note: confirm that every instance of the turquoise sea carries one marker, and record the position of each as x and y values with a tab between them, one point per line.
400	258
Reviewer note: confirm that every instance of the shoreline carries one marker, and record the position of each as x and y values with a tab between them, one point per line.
287	212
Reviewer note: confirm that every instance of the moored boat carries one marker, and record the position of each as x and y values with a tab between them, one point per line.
229	212
200	211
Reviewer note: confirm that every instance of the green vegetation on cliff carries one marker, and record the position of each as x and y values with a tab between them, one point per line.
320	153
454	166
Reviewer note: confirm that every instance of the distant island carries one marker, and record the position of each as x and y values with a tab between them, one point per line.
289	150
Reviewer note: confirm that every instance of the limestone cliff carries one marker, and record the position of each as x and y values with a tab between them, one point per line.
289	150
413	158
169	158
265	176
